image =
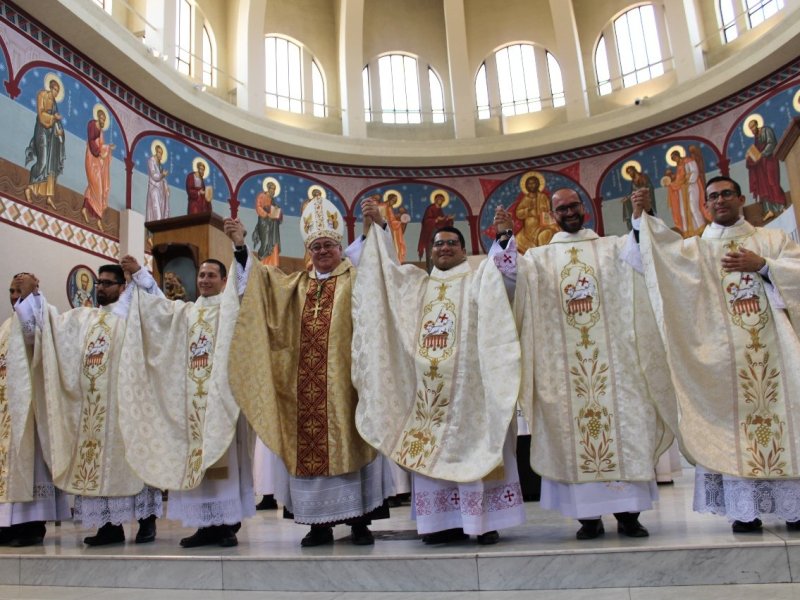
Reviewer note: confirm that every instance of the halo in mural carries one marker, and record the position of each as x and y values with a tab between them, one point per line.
746	125
54	77
676	148
97	108
155	144
796	101
397	203
524	180
272	180
444	193
200	160
631	163
322	192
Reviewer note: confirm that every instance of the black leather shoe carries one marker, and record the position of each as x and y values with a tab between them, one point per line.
147	530
445	537
590	529
360	535
268	502
628	524
488	538
107	534
8	534
753	526
227	536
28	534
205	536
318	536
793	525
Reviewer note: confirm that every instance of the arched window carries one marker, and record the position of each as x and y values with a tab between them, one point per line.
209	58
748	13
286	86
392	85
185	38
639	49
522	71
727	17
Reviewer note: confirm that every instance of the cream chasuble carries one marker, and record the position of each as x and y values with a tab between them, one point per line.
81	360
182	420
732	353
16	415
595	385
289	369
436	363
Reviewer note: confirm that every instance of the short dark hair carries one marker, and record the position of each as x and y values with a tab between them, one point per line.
450	229
736	187
115	270
223	272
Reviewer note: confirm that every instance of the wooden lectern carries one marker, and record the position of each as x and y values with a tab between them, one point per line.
198	237
788	151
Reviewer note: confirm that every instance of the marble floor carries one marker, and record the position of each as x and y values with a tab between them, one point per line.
688	555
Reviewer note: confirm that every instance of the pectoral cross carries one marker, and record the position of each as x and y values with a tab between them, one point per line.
317	298
316	309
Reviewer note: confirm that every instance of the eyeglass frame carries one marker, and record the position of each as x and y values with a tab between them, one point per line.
314	249
726	194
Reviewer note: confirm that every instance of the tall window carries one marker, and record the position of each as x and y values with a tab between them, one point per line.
185	37
638	49
759	11
365	83
209	58
287	64
522	72
728	17
751	13
399	84
437	96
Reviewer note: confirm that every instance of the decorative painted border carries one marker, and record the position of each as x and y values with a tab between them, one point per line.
60	49
31	219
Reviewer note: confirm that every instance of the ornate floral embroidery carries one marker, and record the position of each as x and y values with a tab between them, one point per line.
594	420
467	502
419	442
5	415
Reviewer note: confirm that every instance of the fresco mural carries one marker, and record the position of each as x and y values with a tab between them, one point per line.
675	172
78	149
528	198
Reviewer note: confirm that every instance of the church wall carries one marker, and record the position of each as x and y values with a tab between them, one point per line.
715	137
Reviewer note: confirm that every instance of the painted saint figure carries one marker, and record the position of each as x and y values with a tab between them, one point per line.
686	193
639	179
532	209
267	234
196	191
98	169
157	186
46	147
433	218
764	170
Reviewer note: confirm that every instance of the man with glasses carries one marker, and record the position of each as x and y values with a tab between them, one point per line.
81	360
290	374
591	394
728	306
27	493
436	365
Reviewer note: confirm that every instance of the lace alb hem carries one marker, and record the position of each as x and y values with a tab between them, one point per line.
206	514
95	512
746	499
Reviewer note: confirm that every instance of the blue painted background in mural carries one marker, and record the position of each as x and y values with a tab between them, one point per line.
76	106
777	113
178	164
653	161
507	193
293	192
3	73
417	198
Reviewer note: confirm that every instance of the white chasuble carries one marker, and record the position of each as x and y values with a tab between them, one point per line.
435	363
595	386
182	420
17	440
81	360
733	353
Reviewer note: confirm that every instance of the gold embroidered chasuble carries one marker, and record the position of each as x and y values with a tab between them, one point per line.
436	363
595	386
80	355
182	420
289	369
733	354
17	439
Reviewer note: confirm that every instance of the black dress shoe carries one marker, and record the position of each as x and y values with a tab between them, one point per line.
753	526
268	502
590	529
147	530
28	534
360	535
107	534
8	535
628	524
793	525
445	537
318	536
488	538
227	536
205	536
